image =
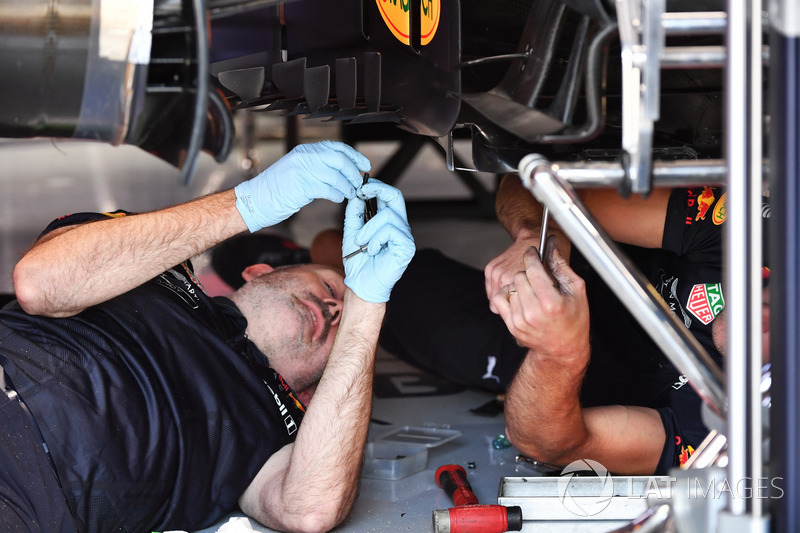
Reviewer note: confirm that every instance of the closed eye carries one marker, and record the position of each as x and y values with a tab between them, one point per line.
330	289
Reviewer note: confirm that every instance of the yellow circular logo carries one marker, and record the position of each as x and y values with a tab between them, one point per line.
721	210
395	14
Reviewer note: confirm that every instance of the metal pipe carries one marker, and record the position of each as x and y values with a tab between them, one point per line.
628	283
784	235
742	255
697	23
675	57
668	174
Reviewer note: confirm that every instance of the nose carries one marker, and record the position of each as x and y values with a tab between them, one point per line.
334	306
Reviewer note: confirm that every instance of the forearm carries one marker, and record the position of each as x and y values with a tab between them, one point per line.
516	208
543	412
91	263
321	478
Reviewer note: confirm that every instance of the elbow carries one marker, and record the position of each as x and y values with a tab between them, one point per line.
554	449
27	291
322	516
30	292
319	520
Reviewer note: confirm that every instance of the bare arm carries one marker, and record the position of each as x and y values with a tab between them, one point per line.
544	417
311	485
521	215
90	263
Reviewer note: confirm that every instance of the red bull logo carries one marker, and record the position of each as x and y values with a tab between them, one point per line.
706	301
704	203
686	452
395	14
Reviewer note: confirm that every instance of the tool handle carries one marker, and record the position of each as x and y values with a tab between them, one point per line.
453	479
478	519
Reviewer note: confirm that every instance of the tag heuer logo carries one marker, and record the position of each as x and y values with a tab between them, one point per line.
705	301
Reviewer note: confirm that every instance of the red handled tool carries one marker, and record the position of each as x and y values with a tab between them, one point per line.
468	516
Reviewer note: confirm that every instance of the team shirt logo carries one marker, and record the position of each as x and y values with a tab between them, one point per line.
706	301
720	210
704	203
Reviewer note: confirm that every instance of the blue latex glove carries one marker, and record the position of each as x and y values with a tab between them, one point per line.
372	273
328	169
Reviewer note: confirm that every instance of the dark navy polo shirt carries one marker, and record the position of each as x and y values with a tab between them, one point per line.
156	408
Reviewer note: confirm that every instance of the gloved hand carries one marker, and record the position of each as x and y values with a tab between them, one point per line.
372	273
328	169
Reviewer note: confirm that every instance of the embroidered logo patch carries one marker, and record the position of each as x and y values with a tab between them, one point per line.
704	202
721	210
686	452
705	301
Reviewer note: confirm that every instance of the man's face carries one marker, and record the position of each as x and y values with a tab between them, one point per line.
298	313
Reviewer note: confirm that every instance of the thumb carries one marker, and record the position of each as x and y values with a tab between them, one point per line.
558	266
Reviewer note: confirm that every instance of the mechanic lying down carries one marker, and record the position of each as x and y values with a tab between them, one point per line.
134	402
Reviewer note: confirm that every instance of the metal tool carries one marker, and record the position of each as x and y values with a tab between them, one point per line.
543	232
538	465
370	210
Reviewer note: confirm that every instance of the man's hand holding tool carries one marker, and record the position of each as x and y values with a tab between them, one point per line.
385	239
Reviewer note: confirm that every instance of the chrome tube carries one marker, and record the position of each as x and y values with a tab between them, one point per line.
742	260
695	23
665	174
630	286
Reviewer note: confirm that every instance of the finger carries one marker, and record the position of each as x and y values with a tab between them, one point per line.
384	217
387	196
488	285
358	159
341	174
501	301
391	247
558	266
354	218
387	235
537	274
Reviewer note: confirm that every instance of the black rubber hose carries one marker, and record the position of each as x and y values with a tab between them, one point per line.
201	96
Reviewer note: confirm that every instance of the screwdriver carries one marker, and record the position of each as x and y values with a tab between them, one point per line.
468	516
370	210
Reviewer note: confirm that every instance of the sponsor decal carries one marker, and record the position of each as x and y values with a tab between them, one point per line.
720	210
185	290
192	277
395	14
686	452
288	421
706	301
668	289
682	380
704	203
